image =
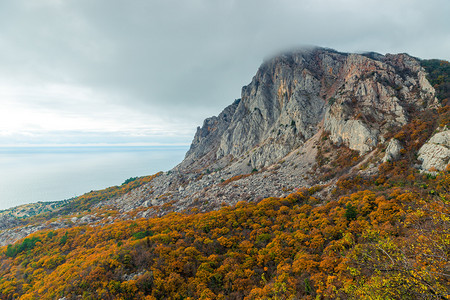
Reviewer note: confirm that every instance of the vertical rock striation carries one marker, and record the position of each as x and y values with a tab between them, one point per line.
357	98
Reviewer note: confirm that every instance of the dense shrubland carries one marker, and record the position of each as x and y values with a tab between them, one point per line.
390	238
439	77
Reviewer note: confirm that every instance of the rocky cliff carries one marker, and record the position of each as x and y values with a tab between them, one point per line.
435	154
306	118
357	98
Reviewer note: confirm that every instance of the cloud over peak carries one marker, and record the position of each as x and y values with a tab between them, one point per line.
160	67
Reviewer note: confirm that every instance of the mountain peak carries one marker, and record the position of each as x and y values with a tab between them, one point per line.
357	98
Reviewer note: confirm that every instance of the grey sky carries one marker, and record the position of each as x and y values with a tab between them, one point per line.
105	71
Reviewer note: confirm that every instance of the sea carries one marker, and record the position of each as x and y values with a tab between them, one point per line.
33	174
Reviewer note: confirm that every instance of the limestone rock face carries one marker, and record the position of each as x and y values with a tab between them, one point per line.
204	145
280	109
393	150
356	98
372	96
354	133
436	152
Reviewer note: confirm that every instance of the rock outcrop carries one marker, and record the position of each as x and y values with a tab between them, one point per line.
393	150
373	96
204	145
435	153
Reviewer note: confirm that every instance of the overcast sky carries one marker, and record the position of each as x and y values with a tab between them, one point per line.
149	72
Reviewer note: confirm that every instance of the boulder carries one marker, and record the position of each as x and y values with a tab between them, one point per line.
393	150
435	153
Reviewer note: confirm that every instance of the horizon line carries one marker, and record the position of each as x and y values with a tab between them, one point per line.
96	145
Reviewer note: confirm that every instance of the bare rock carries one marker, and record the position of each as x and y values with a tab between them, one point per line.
356	98
374	95
436	152
353	133
393	150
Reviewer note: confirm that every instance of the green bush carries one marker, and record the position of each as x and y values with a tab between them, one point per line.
350	212
27	244
131	179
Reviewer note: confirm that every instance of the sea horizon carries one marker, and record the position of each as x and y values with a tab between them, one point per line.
47	173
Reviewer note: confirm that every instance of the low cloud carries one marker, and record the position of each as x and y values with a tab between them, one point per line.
163	66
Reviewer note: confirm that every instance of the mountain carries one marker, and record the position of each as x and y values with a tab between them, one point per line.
328	178
356	98
274	136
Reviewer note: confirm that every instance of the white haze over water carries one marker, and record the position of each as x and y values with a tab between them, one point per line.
32	174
